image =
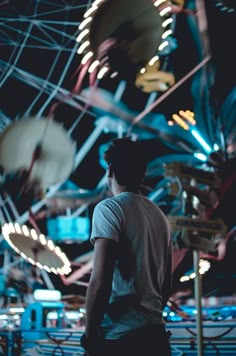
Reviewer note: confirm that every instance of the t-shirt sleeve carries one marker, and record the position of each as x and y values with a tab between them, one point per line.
107	221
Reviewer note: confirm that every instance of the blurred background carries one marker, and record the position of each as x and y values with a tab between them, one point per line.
171	86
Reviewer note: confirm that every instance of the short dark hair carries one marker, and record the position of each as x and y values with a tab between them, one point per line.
128	160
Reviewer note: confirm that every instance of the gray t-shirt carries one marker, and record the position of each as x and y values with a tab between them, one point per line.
144	237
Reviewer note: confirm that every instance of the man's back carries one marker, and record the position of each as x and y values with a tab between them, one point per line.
143	235
131	277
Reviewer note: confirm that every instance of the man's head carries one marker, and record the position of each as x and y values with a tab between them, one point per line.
126	159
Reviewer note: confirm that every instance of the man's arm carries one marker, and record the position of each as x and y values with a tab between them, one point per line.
100	285
167	283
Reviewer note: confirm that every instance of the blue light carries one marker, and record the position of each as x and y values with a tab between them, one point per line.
64	228
202	142
200	156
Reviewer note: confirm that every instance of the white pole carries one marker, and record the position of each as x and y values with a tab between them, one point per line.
198	296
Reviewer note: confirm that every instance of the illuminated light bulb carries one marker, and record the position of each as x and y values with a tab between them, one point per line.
5	229
153	60
82	47
58	251
190	113
25	230
14	247
63	256
51	245
82	35
184	279
64	259
66	269
200	156
54	270
195	201
11	227
39	265
163	45
31	261
17	228
170	123
102	72
188	117
158	2
114	74
165	11
90	11
23	255
167	22
84	23
166	34
8	227
42	239
204	264
216	147
86	57
142	70
34	234
59	271
180	121
67	263
192	275
93	66
46	268
204	267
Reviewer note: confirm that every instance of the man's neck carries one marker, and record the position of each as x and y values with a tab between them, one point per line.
123	189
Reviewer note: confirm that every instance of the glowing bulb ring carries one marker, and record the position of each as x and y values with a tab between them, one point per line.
36	249
86	24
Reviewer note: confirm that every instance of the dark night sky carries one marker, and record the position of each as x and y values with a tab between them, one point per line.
47	64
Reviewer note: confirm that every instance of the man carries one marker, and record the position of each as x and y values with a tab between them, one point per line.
131	277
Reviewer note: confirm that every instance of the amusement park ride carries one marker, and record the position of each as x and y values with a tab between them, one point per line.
148	73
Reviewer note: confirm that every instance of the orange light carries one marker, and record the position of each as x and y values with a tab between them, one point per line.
180	121
188	115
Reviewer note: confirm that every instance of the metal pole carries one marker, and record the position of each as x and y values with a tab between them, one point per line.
198	296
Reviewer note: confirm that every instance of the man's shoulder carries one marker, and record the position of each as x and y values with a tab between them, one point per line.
107	203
